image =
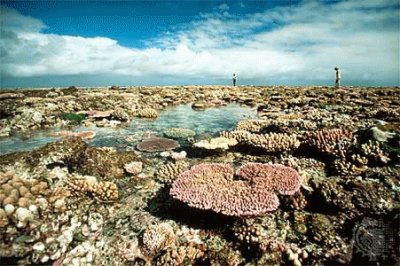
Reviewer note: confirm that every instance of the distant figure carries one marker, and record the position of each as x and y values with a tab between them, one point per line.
234	79
337	82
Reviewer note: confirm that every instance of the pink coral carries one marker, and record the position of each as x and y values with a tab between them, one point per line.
210	186
280	178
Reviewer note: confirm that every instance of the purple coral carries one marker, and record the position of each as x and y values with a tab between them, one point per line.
210	186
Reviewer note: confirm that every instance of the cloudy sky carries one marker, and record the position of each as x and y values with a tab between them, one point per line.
95	43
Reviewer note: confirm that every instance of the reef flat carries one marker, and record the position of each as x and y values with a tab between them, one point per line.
200	175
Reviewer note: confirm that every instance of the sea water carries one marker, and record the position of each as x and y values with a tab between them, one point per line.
206	123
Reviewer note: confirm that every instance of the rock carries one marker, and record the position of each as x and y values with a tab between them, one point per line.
37	117
9	95
380	135
134	168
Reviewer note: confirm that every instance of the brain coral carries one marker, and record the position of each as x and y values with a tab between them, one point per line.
210	186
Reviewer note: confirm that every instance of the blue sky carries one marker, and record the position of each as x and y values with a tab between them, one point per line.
101	43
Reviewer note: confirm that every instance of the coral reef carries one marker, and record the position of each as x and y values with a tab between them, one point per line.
179	133
169	172
157	238
71	203
240	135
216	143
273	142
329	140
82	134
101	191
134	168
147	113
211	187
102	162
373	150
18	199
354	166
156	144
252	125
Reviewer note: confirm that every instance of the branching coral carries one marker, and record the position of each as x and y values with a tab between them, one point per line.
388	114
354	166
279	124
239	135
329	141
216	143
210	186
156	239
102	162
374	152
252	125
272	142
147	113
169	172
105	191
101	191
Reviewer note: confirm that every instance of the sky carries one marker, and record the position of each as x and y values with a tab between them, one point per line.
128	43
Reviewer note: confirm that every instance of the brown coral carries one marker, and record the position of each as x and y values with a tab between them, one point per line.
169	172
101	191
274	142
239	135
156	144
79	186
147	113
252	125
330	141
105	191
18	191
156	239
101	162
374	152
248	232
354	166
182	255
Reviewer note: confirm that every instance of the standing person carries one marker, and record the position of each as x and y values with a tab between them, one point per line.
337	82
234	79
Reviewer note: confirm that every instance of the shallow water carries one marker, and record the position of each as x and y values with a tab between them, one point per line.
207	122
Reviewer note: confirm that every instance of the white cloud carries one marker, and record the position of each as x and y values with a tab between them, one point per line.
285	44
223	7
